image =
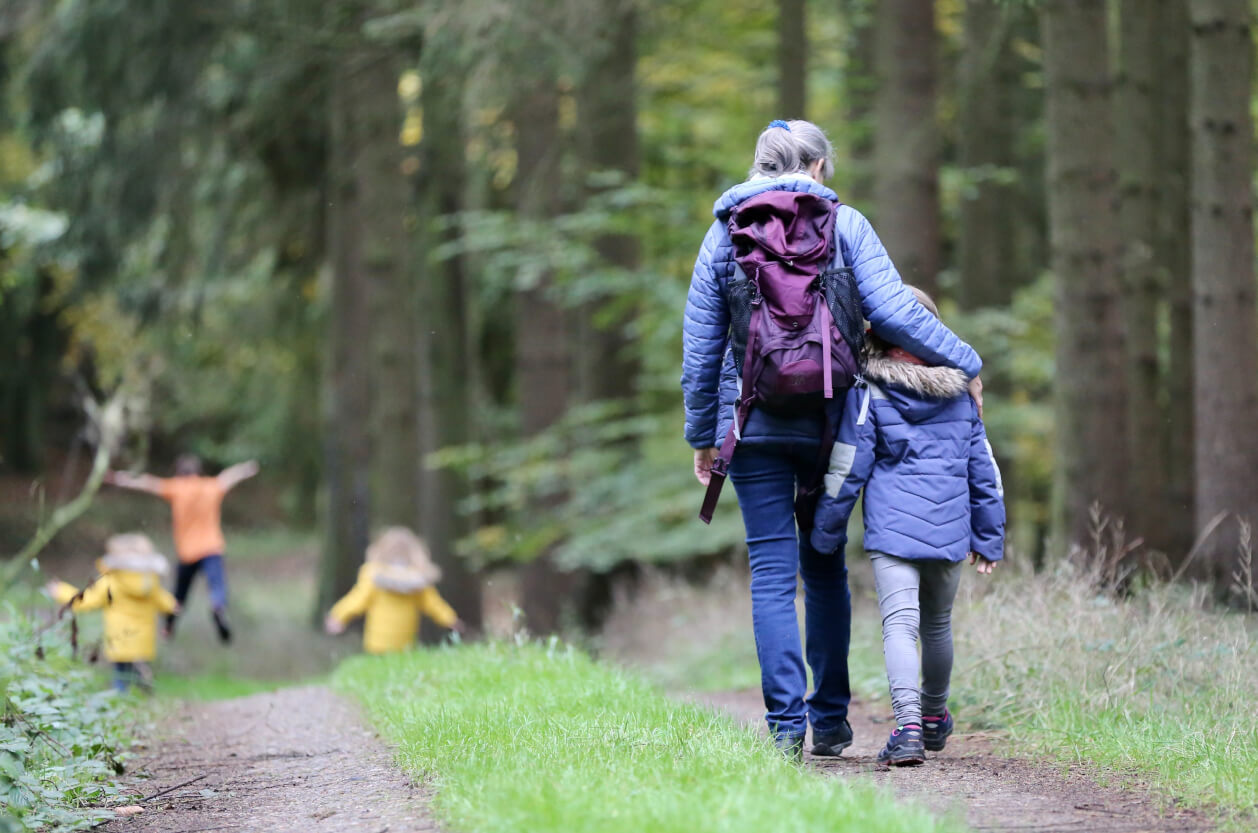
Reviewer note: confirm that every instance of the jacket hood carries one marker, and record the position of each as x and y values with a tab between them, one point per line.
752	187
917	391
136	562
137	585
397	578
400	553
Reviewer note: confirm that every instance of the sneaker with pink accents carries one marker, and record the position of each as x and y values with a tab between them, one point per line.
904	747
935	731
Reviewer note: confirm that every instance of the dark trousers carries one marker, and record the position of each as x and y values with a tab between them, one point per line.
215	577
765	478
127	674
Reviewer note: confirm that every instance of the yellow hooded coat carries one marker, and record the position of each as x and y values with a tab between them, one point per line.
131	601
392	616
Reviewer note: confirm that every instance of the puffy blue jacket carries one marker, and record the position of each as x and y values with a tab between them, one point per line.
912	438
708	380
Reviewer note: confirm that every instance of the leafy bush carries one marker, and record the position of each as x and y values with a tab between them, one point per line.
61	736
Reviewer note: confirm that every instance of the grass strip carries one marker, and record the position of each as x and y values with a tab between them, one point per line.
542	738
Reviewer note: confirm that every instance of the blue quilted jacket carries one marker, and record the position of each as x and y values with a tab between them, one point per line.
911	437
708	380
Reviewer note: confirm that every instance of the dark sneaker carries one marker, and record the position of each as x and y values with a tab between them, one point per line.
791	746
223	627
904	748
935	731
832	744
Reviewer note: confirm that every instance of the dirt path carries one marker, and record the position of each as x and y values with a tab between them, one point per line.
991	792
296	760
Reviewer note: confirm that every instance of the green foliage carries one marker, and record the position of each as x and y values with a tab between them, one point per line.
541	738
620	488
61	736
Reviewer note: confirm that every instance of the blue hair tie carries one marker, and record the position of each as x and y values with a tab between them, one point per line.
781	124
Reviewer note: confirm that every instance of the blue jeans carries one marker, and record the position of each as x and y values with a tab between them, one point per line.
765	478
215	577
127	674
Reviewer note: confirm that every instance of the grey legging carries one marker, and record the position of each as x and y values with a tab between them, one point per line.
916	596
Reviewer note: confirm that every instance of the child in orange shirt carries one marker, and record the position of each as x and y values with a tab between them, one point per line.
196	508
395	588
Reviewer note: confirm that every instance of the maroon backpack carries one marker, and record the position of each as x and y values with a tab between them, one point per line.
795	323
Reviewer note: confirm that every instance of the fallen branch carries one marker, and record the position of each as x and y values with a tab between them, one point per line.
160	793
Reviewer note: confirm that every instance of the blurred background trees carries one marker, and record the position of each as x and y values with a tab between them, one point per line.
427	260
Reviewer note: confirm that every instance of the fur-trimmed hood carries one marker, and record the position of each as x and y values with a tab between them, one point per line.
924	380
400	561
399	579
917	391
133	552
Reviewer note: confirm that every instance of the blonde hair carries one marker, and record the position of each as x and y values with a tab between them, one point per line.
924	299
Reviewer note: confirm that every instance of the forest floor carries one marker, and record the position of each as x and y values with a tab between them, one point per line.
972	780
298	760
302	759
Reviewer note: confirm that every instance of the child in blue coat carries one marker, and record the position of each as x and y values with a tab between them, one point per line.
912	439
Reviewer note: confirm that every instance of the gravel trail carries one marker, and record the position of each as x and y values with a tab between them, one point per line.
991	792
299	760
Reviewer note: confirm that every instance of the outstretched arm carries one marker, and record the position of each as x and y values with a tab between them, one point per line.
352	605
233	476
94	597
135	482
893	312
436	608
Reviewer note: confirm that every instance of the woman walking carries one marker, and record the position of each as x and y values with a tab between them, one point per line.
776	454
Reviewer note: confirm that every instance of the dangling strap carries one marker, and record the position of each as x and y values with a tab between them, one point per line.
827	325
720	466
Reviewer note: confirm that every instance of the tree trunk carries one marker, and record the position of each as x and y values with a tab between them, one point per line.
395	339
906	139
1139	178
859	85
543	364
1225	331
1173	246
1090	428
608	357
989	260
348	390
445	387
609	144
792	59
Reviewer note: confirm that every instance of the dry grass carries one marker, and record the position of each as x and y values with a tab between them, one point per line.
1152	683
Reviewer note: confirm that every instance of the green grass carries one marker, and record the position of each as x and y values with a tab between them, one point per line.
536	739
1159	688
213	686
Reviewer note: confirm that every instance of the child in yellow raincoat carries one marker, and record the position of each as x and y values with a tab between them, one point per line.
131	593
395	588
